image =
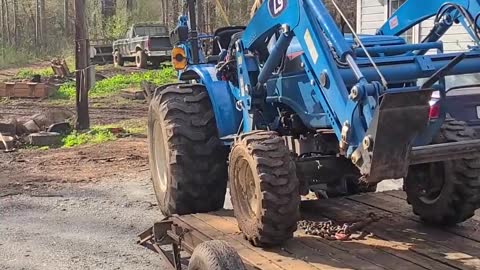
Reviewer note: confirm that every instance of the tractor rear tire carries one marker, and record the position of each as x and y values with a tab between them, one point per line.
118	60
187	160
215	255
264	188
141	59
447	192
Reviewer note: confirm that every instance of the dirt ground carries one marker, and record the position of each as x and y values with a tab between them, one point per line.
78	208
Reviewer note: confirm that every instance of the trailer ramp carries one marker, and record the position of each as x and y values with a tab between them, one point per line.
398	240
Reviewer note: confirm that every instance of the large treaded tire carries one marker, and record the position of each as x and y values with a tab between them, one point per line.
141	59
264	188
215	255
118	60
182	132
459	195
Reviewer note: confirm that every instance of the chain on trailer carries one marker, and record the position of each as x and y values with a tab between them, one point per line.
330	231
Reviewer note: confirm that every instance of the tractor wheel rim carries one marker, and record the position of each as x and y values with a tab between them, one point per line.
246	182
431	180
160	157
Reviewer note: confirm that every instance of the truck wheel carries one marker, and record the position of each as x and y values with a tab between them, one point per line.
264	188
141	59
447	192
118	59
215	255
187	160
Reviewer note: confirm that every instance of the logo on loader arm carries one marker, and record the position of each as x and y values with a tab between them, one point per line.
276	7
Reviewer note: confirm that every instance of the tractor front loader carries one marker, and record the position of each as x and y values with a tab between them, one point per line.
290	105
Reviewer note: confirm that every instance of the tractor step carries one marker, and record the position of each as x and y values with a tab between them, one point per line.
445	151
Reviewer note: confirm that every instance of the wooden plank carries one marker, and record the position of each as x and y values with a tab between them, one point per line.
248	255
469	229
285	258
368	250
398	230
362	255
393	248
310	249
397	193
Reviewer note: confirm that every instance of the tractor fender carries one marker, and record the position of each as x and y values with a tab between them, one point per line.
227	117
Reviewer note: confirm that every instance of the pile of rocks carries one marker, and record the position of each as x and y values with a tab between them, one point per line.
42	129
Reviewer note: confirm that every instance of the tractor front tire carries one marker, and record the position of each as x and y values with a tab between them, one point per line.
264	188
141	59
447	192
187	160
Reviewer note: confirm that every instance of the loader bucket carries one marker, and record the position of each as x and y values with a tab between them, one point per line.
384	153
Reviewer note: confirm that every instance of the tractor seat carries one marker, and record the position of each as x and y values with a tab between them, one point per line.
224	36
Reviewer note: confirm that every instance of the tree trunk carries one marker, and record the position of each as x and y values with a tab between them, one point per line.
130	5
15	23
7	22
43	23
66	25
175	13
201	16
2	23
37	23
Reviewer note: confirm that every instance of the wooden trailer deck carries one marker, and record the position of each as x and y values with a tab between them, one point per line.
398	240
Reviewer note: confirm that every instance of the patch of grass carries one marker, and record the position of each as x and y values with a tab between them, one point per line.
65	92
94	136
115	84
28	73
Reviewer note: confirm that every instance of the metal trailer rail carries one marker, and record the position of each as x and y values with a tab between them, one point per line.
397	240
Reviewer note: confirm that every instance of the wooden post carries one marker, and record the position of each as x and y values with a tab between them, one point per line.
81	65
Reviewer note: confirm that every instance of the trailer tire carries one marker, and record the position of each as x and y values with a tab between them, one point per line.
215	255
456	197
264	188
141	59
118	60
187	160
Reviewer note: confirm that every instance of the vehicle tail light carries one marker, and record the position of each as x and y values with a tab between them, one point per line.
149	44
179	58
434	110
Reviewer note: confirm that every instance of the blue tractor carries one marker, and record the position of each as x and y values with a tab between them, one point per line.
290	105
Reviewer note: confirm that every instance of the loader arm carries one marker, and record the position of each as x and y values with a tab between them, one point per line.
413	12
364	112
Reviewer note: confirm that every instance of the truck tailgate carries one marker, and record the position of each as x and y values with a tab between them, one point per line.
160	43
